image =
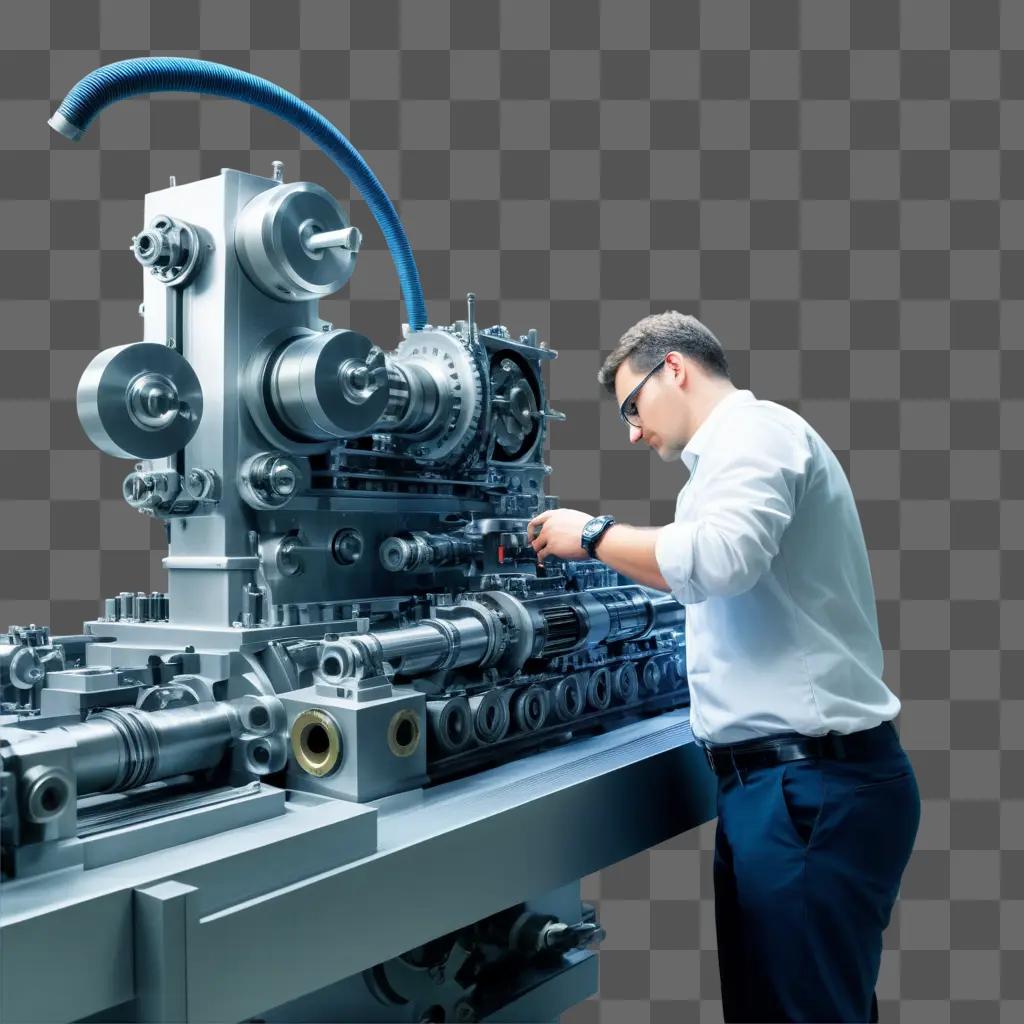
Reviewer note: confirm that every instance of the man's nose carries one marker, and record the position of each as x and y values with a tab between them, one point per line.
635	433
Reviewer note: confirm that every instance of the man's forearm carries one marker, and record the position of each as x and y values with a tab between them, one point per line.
630	550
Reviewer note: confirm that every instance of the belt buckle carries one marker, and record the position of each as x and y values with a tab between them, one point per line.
710	759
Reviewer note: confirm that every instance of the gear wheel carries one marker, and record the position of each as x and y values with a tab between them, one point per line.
456	442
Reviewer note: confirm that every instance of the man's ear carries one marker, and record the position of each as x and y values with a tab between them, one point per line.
677	366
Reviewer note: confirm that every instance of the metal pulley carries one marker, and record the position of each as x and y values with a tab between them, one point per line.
140	401
295	243
328	385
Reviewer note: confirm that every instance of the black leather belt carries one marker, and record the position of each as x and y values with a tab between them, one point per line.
793	746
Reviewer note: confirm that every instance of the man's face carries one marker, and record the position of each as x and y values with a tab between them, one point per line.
660	407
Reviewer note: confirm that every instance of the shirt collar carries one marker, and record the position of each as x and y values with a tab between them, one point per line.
703	433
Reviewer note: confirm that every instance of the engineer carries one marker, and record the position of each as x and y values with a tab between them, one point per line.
818	806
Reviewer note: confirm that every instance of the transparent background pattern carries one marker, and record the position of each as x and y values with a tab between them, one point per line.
835	187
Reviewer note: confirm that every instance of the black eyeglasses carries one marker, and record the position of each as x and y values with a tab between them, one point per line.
628	411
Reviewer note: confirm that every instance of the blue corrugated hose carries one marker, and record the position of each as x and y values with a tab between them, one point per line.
126	78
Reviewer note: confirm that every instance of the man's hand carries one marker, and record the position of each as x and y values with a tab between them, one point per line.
558	532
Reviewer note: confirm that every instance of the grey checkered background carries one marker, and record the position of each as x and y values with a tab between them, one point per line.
835	188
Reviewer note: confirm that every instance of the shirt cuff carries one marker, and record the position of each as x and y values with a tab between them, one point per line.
673	551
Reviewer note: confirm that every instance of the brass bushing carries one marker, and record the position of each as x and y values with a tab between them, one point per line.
404	733
316	742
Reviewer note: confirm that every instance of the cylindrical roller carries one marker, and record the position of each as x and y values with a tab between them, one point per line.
668	612
491	718
438	643
625	685
328	385
564	630
139	401
567	697
338	384
123	748
599	690
451	723
415	551
530	707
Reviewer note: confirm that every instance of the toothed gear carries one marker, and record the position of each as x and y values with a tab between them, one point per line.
465	405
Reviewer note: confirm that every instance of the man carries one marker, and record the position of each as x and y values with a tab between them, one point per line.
818	806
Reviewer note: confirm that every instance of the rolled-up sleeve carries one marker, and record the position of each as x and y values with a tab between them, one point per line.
746	489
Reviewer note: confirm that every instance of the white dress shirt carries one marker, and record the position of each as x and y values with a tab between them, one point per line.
768	555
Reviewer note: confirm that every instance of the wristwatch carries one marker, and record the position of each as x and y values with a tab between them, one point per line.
593	532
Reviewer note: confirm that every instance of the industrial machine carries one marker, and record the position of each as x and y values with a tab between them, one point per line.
352	765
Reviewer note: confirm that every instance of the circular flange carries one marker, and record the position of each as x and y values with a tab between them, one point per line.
171	249
269	480
140	401
272	236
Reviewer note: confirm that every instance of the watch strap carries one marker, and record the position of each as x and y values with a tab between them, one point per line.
591	537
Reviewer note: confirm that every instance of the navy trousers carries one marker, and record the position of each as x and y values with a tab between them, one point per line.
808	860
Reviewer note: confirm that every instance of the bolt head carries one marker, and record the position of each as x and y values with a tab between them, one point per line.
282	478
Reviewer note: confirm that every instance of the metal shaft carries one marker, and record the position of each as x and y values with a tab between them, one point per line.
559	625
343	238
123	748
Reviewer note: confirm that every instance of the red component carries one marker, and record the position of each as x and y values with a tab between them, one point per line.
501	554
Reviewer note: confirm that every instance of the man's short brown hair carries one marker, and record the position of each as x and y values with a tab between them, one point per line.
647	342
